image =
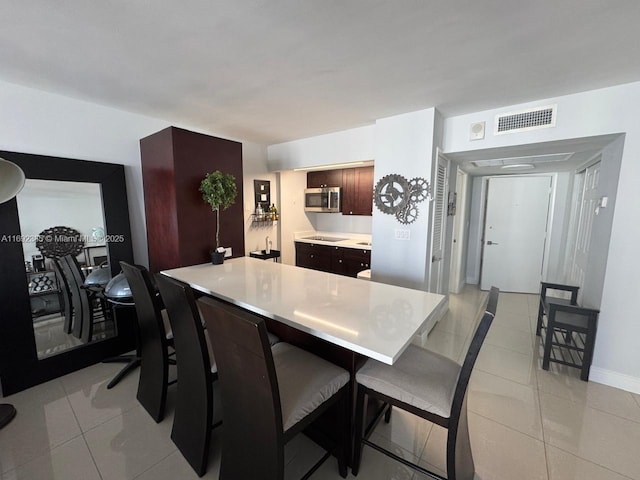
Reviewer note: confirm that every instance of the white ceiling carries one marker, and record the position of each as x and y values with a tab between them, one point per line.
275	70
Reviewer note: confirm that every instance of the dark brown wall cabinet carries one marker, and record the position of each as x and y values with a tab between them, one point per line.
340	260
357	191
180	225
324	178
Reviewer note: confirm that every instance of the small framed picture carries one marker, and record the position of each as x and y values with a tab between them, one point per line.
262	192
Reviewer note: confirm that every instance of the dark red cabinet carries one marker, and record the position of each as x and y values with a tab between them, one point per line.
180	225
324	178
357	191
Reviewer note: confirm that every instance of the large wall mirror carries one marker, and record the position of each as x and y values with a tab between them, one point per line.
70	212
48	211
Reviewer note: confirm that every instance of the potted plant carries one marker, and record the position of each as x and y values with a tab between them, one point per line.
219	191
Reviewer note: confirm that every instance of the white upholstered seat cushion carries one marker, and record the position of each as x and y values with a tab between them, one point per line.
419	377
305	381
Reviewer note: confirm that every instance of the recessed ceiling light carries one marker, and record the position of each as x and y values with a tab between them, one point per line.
519	166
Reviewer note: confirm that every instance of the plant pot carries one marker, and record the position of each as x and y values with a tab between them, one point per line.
217	258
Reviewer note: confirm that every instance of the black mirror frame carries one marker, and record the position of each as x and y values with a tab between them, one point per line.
20	367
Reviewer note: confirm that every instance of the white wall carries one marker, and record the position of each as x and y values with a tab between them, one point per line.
33	121
254	166
44	204
356	144
347	146
404	145
605	111
293	218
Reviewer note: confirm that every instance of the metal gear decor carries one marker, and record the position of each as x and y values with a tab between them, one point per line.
395	195
391	193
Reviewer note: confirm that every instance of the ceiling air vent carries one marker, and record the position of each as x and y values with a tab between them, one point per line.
523	120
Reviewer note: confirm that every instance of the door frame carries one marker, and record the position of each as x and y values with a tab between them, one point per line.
457	275
547	239
436	280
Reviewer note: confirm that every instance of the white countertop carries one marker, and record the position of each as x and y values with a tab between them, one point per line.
348	240
374	319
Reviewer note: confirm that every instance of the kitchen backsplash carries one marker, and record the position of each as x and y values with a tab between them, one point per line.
336	222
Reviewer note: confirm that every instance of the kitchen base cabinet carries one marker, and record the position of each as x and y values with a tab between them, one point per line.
340	260
355	260
316	257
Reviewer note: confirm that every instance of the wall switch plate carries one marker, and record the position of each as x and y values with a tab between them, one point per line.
227	252
402	234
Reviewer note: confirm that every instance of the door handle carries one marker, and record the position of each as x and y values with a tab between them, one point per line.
489	242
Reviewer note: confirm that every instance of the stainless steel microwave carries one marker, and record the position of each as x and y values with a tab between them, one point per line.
325	199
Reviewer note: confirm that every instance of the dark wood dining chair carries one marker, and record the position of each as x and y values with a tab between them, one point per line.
430	386
82	311
269	394
65	290
154	355
196	369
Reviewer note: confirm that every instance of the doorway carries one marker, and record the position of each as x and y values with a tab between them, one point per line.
515	232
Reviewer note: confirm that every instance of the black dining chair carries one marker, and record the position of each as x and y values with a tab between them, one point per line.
430	386
196	369
269	394
82	311
154	344
65	290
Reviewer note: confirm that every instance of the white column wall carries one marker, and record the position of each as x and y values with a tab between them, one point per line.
404	145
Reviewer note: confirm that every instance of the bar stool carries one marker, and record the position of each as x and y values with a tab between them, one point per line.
430	386
569	337
269	395
154	341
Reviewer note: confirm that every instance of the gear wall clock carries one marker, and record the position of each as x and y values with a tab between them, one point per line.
395	195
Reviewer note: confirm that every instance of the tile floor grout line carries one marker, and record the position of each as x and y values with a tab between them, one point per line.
92	457
590	461
509	427
38	455
544	441
586	405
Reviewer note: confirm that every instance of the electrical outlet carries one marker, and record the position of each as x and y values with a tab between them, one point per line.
227	252
402	234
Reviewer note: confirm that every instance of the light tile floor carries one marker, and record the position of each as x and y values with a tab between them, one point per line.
525	423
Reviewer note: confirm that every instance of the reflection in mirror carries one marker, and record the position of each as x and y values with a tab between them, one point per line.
65	256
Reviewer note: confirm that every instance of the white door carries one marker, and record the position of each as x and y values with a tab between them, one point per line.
439	225
515	233
587	211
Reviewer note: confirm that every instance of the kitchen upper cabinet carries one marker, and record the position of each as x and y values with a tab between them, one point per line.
324	178
357	191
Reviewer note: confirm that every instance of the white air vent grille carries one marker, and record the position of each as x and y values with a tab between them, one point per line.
530	119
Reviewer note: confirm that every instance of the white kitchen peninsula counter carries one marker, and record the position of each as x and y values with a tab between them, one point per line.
373	319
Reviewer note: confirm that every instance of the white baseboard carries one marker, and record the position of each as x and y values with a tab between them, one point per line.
615	379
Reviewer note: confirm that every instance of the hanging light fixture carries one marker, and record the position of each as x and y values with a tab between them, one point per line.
11	180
